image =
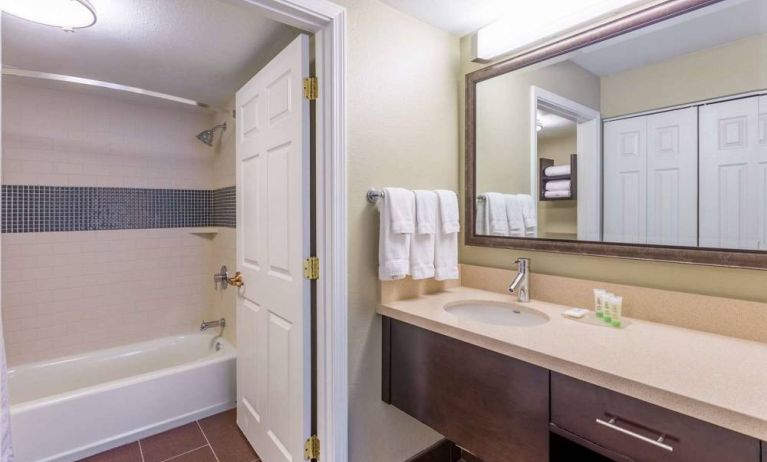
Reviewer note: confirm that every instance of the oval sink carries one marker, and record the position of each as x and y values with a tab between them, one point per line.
497	313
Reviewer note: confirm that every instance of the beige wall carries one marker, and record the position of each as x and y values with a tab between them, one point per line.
558	217
403	131
724	282
503	120
735	67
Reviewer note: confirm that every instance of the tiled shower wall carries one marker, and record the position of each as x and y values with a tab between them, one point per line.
98	284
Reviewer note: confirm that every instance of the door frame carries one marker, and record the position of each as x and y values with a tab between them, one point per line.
327	22
581	114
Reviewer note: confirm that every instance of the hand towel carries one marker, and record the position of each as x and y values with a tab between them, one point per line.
446	238
514	215
423	241
448	210
558	185
557	170
498	224
556	194
529	215
397	216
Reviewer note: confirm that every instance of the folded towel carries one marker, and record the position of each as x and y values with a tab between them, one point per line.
423	241
529	214
446	238
514	215
397	212
557	170
498	224
401	210
448	209
556	194
558	185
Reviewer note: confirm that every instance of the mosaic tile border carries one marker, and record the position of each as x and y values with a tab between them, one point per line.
28	209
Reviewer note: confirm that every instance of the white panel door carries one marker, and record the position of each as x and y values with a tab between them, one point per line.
672	178
732	164
625	180
273	317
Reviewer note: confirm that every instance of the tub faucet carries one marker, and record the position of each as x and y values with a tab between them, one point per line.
208	324
521	283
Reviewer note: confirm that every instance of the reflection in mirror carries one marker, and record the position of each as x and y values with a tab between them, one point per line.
658	136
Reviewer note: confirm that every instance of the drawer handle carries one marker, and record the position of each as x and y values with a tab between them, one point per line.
658	442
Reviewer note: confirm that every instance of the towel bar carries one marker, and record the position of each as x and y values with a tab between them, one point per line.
374	195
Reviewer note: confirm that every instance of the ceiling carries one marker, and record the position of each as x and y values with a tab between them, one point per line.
198	49
458	17
703	29
554	126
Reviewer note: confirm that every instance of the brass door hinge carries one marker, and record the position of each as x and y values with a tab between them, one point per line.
312	268
311	90
312	448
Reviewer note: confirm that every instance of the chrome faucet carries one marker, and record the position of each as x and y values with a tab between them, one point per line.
521	283
208	324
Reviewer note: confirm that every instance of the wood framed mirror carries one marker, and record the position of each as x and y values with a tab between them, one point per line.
643	136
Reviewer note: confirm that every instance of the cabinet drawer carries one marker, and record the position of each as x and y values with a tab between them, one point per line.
634	428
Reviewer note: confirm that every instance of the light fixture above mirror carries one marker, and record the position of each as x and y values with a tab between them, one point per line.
66	14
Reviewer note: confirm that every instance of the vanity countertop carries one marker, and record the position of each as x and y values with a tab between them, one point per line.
718	379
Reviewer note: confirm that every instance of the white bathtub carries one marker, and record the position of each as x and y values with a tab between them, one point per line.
73	407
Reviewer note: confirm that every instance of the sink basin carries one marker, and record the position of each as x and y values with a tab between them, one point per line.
497	313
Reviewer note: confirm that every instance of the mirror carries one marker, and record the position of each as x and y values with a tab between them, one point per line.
656	137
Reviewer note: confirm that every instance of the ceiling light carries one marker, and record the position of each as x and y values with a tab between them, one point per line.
534	21
67	14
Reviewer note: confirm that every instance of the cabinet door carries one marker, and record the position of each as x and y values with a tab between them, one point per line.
625	181
492	405
642	431
733	171
672	178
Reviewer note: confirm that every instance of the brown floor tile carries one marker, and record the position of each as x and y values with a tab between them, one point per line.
128	453
225	437
198	455
172	443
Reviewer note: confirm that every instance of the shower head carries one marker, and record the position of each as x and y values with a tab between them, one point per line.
208	135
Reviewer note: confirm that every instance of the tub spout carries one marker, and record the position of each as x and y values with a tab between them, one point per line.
208	324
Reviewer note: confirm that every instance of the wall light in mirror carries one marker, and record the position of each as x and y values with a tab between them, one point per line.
67	14
532	22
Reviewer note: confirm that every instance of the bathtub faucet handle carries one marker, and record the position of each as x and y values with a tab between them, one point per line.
236	280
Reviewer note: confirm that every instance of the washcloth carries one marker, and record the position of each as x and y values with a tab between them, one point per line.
498	224
556	194
529	214
514	215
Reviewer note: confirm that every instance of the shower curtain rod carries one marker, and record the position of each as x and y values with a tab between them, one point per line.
102	84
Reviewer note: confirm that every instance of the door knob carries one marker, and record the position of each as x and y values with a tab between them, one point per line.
236	280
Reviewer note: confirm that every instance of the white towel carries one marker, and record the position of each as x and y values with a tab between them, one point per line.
446	243
557	170
498	224
556	194
483	218
423	241
529	215
397	217
448	210
558	185
514	215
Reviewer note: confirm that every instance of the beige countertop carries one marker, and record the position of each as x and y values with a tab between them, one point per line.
718	379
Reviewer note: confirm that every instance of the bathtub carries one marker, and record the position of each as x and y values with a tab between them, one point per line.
76	406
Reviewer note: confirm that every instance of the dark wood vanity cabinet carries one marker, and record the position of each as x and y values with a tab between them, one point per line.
506	410
634	430
492	405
